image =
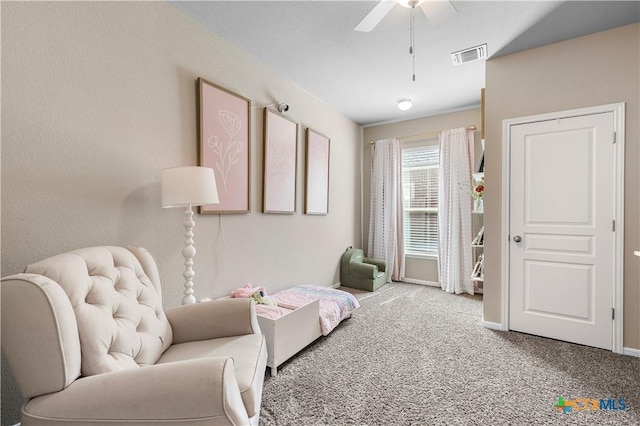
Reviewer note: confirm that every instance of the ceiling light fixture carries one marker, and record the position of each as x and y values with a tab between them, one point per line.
410	3
404	104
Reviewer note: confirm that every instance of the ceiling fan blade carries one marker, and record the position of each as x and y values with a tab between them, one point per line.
374	17
438	11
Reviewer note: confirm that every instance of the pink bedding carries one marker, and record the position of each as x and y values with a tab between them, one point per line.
271	312
335	305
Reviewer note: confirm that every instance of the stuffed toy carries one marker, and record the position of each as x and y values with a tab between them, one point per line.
261	298
259	294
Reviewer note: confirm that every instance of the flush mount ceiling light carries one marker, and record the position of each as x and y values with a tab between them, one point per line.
404	104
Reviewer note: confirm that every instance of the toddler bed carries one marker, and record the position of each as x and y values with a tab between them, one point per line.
304	313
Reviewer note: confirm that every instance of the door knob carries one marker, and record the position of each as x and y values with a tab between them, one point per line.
517	238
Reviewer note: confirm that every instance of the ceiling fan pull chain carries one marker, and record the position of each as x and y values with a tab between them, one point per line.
412	49
411	33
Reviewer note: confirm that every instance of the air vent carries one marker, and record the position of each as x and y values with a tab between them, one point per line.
469	55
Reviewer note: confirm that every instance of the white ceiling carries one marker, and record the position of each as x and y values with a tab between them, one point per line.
362	75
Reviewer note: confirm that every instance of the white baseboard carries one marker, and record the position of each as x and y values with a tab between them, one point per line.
421	282
336	285
498	326
492	325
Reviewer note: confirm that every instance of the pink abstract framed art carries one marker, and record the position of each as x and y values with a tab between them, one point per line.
224	145
280	164
317	174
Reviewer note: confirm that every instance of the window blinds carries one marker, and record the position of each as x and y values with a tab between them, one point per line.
420	199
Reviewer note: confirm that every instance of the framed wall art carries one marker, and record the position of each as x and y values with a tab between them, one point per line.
317	174
224	145
280	165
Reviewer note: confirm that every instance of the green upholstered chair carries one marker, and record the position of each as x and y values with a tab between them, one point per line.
358	271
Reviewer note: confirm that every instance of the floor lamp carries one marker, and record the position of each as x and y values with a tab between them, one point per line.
187	187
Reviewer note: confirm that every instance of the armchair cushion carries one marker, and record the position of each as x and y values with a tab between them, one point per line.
364	270
243	349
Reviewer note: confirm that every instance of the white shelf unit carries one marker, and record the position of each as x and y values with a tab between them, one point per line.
478	253
477	245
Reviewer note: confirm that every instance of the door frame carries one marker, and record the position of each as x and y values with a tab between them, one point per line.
618	110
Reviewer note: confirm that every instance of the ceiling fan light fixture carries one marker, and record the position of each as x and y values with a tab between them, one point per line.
404	104
410	3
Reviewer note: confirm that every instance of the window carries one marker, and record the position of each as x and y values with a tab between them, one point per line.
420	198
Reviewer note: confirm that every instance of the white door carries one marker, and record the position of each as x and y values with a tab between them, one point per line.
561	247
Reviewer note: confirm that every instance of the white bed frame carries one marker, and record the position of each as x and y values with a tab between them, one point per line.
288	335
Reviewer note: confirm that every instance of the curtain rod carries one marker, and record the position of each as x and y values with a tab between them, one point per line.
472	127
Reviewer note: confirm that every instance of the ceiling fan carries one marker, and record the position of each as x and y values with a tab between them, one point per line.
434	10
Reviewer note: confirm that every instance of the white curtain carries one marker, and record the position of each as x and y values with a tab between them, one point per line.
385	219
454	211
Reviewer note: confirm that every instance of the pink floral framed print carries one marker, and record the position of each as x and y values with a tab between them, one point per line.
280	163
224	145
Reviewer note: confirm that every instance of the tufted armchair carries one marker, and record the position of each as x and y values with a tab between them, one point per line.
89	343
357	271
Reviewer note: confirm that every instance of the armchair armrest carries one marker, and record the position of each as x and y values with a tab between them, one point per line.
363	270
132	395
381	264
212	320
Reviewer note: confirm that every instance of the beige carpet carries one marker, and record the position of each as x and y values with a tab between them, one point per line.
415	355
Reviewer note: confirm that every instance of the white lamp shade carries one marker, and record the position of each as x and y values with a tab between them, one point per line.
188	186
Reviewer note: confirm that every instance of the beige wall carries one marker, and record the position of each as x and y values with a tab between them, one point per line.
598	69
98	98
416	269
